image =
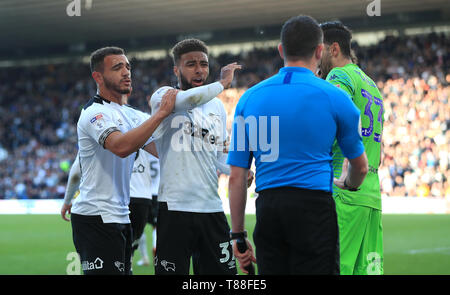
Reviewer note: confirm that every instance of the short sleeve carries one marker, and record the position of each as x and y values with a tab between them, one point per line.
155	103
155	100
342	80
98	124
239	153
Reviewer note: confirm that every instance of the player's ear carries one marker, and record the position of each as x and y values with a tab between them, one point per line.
175	70
335	49
280	50
98	77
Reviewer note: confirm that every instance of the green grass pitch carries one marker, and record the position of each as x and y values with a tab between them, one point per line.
39	244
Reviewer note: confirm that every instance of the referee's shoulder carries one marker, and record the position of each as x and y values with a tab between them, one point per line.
330	89
260	86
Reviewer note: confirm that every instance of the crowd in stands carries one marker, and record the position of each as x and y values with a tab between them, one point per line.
40	105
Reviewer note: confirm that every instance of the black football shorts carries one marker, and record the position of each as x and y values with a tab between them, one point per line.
104	248
203	236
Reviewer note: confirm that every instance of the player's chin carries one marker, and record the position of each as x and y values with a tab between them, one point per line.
197	83
125	90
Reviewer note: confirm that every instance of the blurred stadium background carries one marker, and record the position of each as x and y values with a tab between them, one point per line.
45	79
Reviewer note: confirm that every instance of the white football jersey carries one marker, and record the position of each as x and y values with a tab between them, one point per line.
188	144
105	177
145	176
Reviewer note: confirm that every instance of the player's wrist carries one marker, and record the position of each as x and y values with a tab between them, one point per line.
349	188
238	235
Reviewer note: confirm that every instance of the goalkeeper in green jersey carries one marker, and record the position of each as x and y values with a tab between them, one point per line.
359	212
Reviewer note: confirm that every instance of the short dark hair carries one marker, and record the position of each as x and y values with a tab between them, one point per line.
335	31
300	36
187	45
98	56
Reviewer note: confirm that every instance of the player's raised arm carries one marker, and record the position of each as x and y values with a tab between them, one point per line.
191	98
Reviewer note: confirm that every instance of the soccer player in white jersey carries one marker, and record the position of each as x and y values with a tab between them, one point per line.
144	185
191	221
109	134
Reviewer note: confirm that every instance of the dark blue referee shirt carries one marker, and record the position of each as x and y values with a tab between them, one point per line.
288	123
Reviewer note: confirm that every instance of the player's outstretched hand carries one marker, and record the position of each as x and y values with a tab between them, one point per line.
227	74
64	210
168	102
245	258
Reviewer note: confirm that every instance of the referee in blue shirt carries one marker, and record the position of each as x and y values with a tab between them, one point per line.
300	115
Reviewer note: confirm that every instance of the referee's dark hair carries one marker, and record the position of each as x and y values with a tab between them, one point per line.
336	31
300	36
98	56
186	46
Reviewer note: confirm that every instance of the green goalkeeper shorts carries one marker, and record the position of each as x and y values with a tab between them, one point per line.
360	238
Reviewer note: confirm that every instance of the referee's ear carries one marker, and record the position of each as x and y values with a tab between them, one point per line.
319	51
280	50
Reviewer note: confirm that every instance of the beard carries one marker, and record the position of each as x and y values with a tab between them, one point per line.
324	70
183	83
115	86
325	67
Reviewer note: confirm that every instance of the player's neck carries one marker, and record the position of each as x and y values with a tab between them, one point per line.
111	95
342	62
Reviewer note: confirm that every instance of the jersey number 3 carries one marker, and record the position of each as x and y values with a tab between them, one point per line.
372	99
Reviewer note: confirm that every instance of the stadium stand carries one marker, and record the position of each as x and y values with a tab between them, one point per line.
40	106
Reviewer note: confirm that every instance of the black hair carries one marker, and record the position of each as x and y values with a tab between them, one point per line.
187	45
300	36
98	56
335	31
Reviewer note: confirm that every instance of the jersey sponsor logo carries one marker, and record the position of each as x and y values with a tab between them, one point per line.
196	134
196	131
